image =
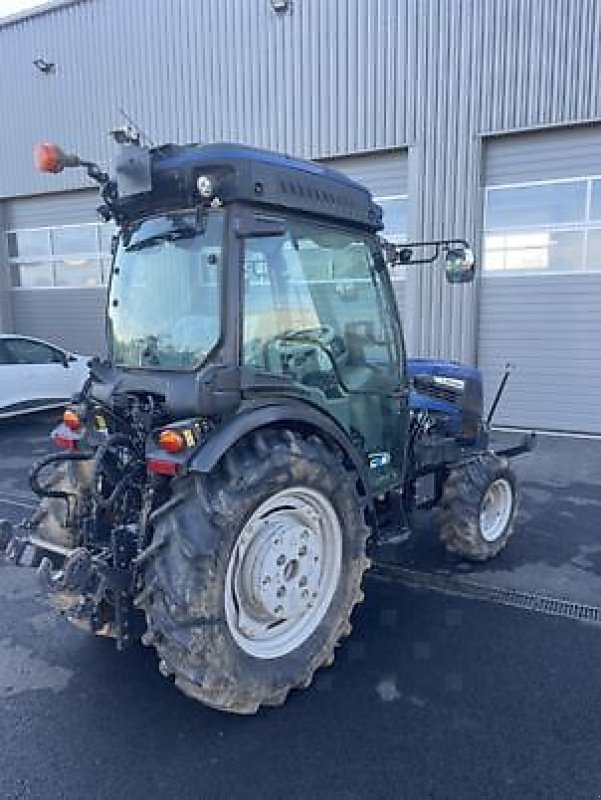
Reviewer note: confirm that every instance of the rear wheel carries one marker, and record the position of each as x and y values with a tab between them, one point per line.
478	506
255	573
52	515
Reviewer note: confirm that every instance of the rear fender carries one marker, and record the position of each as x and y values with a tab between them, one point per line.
294	415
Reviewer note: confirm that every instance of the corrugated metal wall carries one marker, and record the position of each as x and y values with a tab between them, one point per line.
330	78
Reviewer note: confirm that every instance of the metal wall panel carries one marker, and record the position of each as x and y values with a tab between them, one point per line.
384	174
548	326
330	78
57	209
561	153
71	318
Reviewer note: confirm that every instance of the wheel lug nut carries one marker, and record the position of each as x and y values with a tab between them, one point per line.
276	541
302	550
281	560
305	535
266	580
281	591
303	581
278	610
305	594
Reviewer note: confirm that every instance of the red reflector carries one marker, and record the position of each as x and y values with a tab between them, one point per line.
161	467
63	441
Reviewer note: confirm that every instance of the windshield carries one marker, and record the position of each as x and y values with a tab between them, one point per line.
164	302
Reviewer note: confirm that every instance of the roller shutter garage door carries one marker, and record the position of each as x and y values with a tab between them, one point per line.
385	175
540	303
59	260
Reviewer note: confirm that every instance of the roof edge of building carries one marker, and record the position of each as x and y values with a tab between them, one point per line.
36	11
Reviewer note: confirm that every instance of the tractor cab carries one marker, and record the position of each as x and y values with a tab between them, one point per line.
241	274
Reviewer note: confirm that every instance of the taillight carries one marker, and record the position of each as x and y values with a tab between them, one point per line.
72	420
172	441
161	467
64	441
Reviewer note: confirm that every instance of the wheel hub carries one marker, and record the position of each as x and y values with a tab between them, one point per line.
283	572
496	509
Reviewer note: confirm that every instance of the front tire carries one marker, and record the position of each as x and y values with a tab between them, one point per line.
478	508
256	571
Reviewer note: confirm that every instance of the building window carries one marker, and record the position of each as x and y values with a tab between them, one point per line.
59	256
549	227
394	217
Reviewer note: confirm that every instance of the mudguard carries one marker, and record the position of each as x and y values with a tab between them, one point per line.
295	413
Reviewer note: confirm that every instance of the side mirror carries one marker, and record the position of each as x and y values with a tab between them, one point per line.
459	265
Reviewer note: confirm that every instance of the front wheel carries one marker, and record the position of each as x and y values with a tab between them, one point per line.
256	571
478	507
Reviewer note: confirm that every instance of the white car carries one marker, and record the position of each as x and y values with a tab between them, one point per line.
36	375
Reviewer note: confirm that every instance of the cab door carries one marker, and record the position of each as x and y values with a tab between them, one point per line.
319	310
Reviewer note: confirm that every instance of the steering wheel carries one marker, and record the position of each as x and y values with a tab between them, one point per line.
322	337
325	332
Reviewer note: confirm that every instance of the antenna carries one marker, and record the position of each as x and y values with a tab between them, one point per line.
136	127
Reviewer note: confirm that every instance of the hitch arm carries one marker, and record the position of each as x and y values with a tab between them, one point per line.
499	393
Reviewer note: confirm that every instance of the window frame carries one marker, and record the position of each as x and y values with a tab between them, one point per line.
59	355
582	226
99	256
396	344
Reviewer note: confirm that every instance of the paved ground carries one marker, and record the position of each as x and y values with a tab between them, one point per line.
434	696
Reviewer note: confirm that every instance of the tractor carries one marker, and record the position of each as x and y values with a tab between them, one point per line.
256	431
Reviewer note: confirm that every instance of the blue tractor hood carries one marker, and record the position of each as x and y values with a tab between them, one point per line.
436	366
459	400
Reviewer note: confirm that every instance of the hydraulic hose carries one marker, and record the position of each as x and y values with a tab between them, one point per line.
116	440
54	458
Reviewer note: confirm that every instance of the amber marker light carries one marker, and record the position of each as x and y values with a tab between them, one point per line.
72	420
172	441
48	158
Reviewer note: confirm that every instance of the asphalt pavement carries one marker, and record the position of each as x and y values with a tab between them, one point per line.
434	696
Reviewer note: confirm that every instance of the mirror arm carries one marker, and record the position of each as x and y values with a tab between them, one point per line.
398	255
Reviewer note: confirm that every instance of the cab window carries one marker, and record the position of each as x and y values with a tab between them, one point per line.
315	310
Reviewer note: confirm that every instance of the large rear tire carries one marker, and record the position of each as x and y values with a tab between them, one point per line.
51	516
478	508
254	574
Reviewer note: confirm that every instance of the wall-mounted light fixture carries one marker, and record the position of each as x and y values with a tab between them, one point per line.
281	5
44	66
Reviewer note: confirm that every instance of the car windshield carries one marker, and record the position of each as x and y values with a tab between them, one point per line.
164	302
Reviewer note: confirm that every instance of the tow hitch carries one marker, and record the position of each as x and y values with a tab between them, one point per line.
79	584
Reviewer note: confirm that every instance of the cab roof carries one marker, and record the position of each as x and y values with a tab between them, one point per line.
240	173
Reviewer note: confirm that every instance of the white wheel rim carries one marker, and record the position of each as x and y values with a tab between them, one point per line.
496	508
283	572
